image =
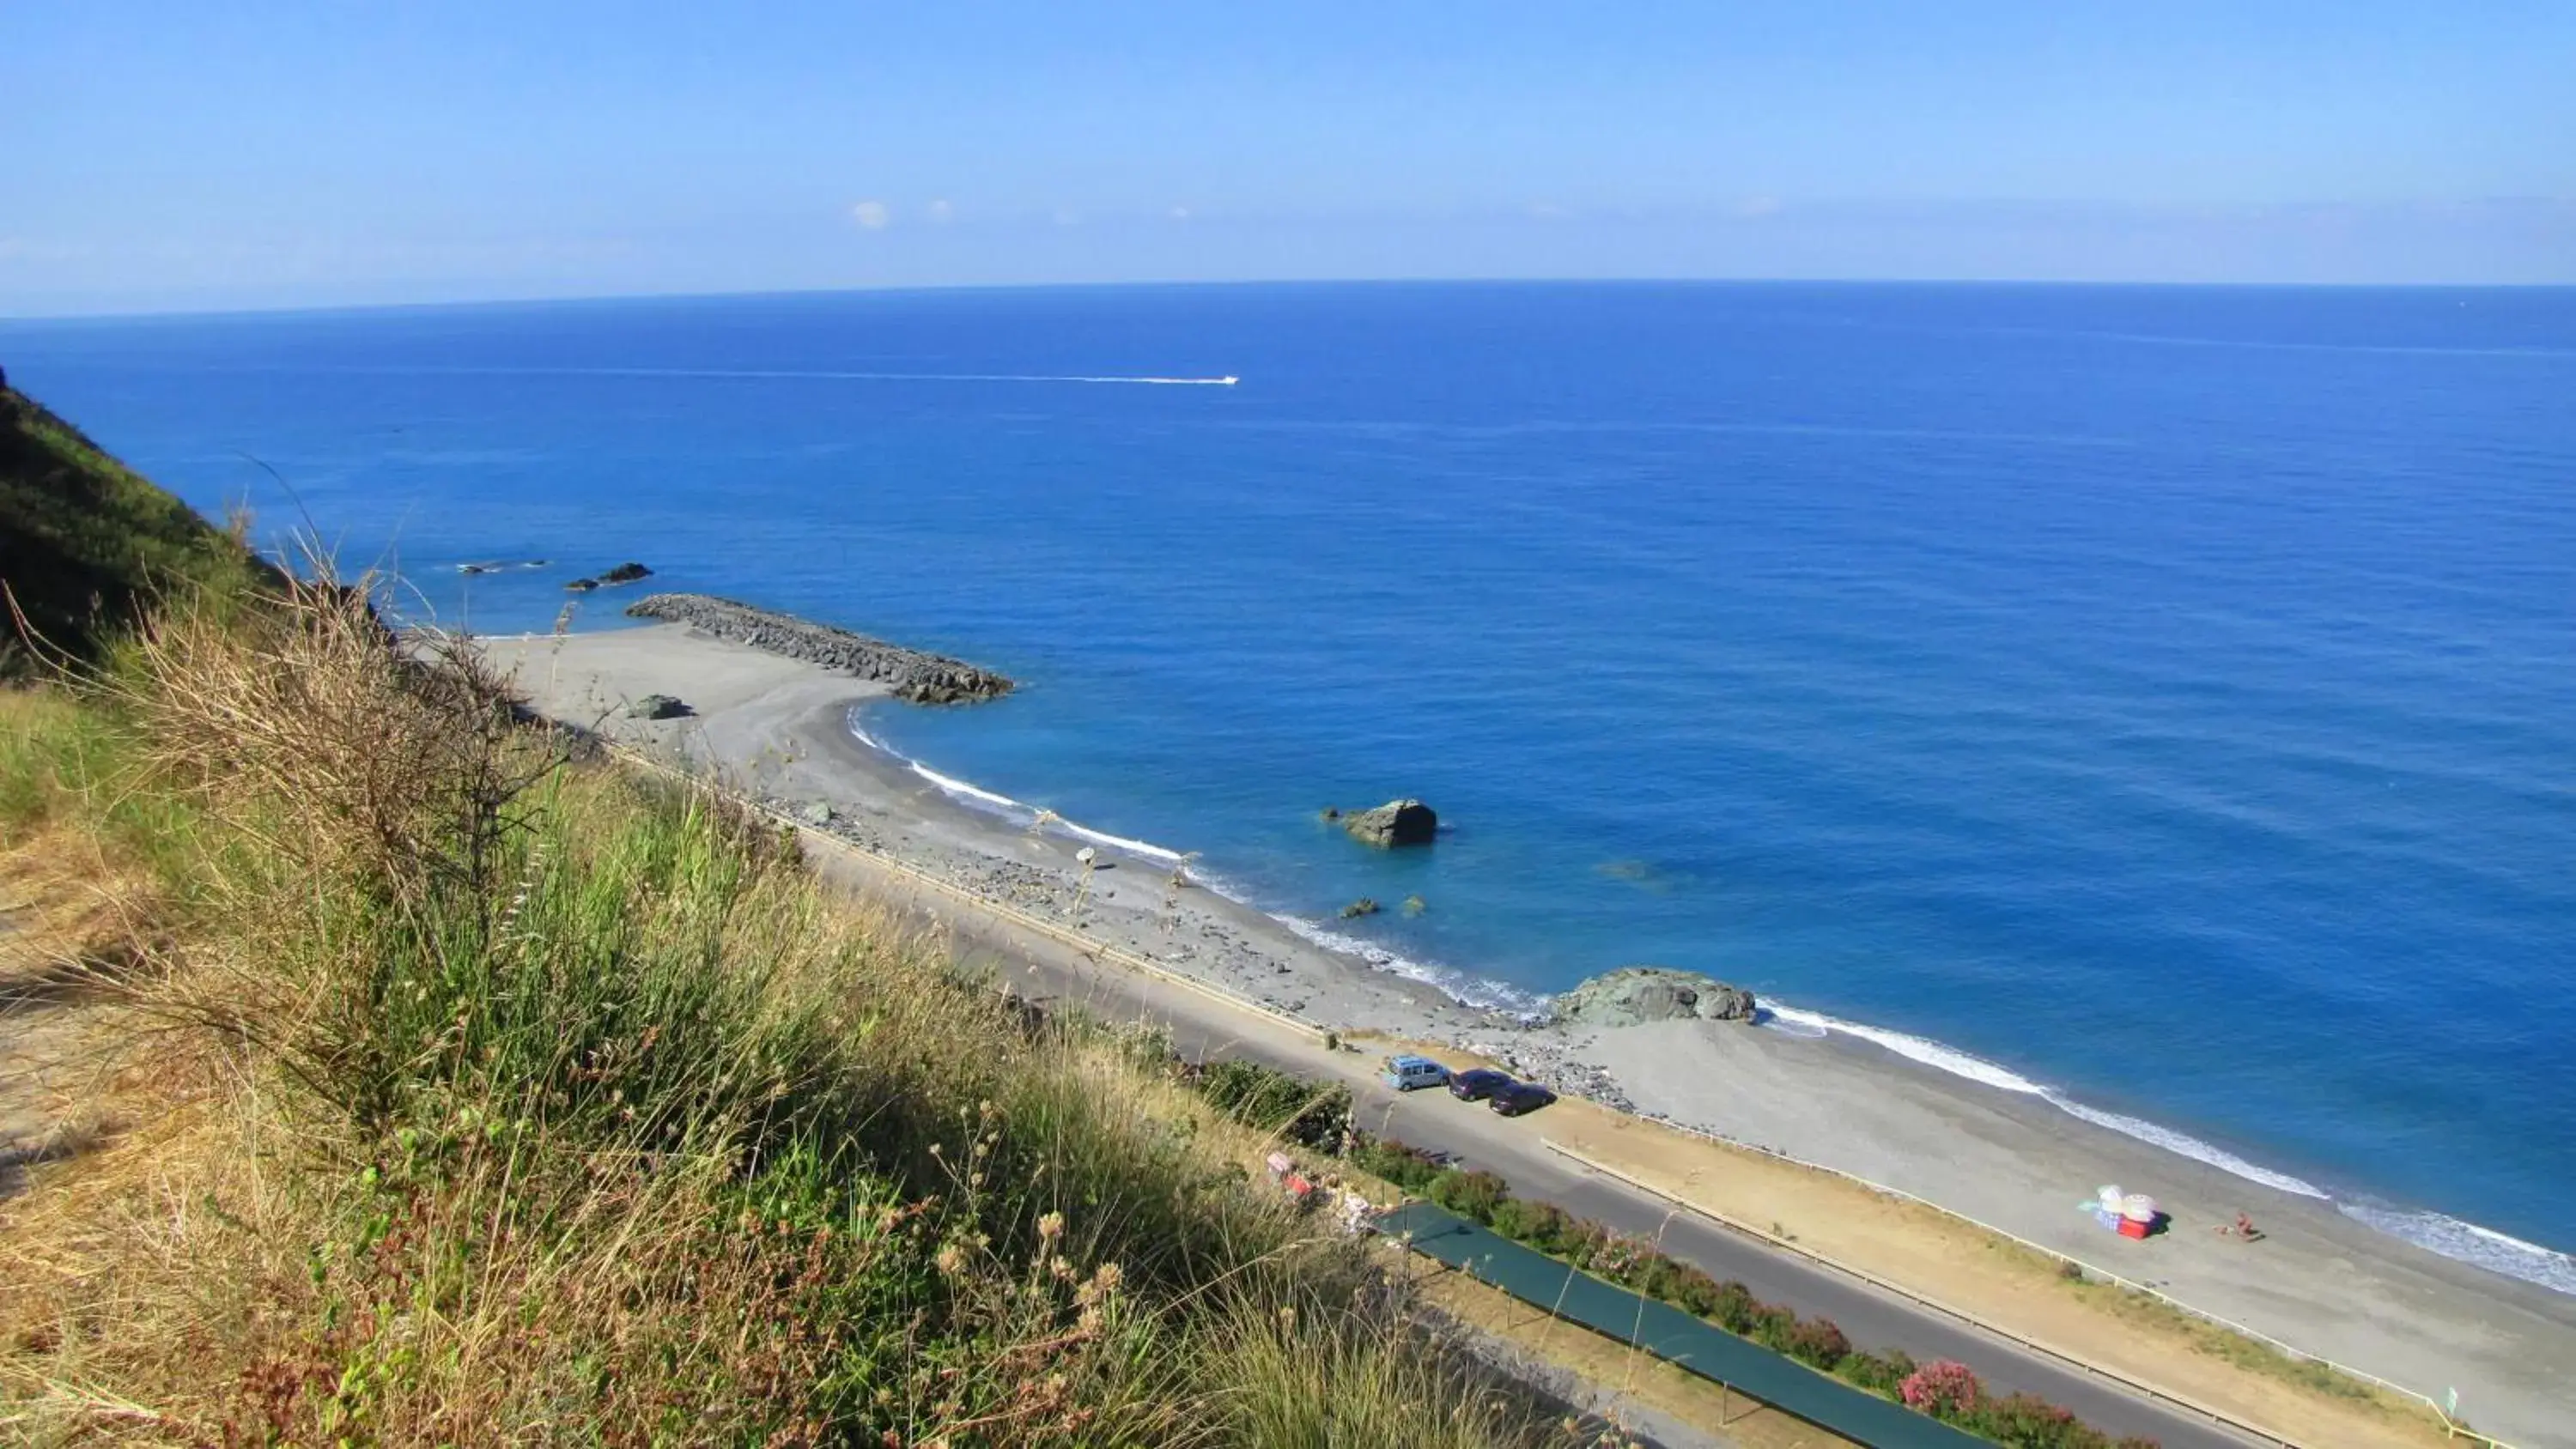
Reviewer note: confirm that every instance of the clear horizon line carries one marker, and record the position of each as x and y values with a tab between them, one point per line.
748	293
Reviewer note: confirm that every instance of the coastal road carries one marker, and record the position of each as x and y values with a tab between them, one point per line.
1044	969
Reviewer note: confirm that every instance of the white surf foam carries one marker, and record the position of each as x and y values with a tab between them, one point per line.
818	375
2451	1237
2186	1145
1458	985
969	791
1145	848
2468	1243
1976	1069
1017	810
1929	1053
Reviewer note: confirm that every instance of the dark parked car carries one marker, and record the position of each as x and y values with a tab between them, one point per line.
1477	1085
1513	1098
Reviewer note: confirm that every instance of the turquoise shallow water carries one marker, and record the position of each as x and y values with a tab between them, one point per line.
2165	698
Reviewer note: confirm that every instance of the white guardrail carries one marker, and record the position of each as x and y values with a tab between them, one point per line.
2451	1428
1144	965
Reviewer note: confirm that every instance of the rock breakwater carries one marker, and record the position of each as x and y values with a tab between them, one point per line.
910	673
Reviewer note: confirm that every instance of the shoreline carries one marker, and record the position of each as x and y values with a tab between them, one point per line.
2016	1156
2503	1253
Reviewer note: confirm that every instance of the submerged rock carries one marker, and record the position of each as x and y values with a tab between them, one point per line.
1634	994
1397	822
1364	906
582	586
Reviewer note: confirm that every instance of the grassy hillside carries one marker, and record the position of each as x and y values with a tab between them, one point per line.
84	541
454	1091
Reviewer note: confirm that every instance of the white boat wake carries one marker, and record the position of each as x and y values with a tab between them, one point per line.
769	373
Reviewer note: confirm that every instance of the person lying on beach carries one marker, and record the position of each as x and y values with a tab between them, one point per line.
2243	1228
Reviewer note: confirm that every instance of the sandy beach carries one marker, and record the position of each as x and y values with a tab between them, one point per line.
780	731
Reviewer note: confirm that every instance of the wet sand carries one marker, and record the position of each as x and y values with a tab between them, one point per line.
780	731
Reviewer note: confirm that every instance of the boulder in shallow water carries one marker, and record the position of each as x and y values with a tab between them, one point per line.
1397	822
626	573
1635	994
581	586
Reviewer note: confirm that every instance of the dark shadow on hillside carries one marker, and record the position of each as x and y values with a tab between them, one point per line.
20	1157
72	981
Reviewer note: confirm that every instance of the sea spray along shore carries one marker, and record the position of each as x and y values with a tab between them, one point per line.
2014	1158
2451	1237
933	679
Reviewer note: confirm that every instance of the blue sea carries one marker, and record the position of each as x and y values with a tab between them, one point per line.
2159	698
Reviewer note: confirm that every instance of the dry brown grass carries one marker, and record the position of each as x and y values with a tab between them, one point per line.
495	1100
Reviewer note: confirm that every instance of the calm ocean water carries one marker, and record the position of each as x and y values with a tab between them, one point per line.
2165	698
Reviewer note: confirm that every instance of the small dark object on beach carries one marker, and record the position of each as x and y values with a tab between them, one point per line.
2243	1229
1364	906
657	706
1397	822
581	586
626	573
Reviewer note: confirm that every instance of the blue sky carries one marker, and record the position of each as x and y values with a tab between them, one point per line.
187	155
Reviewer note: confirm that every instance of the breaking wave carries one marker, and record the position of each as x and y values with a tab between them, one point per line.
1018	811
2450	1237
2468	1243
1476	991
1985	1073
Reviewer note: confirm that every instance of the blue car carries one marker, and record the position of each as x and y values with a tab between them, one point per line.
1405	1073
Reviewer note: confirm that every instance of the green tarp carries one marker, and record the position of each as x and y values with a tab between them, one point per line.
1668	1333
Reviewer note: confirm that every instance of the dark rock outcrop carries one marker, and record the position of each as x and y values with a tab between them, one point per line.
1634	994
1364	906
909	673
1397	822
582	586
626	573
656	706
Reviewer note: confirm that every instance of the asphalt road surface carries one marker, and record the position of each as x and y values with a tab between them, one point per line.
1043	969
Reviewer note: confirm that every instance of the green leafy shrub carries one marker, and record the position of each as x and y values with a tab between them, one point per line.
1407	1167
1470	1194
1269	1100
1737	1310
1879	1375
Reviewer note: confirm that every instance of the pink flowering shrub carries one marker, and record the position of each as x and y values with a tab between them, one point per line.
1941	1388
